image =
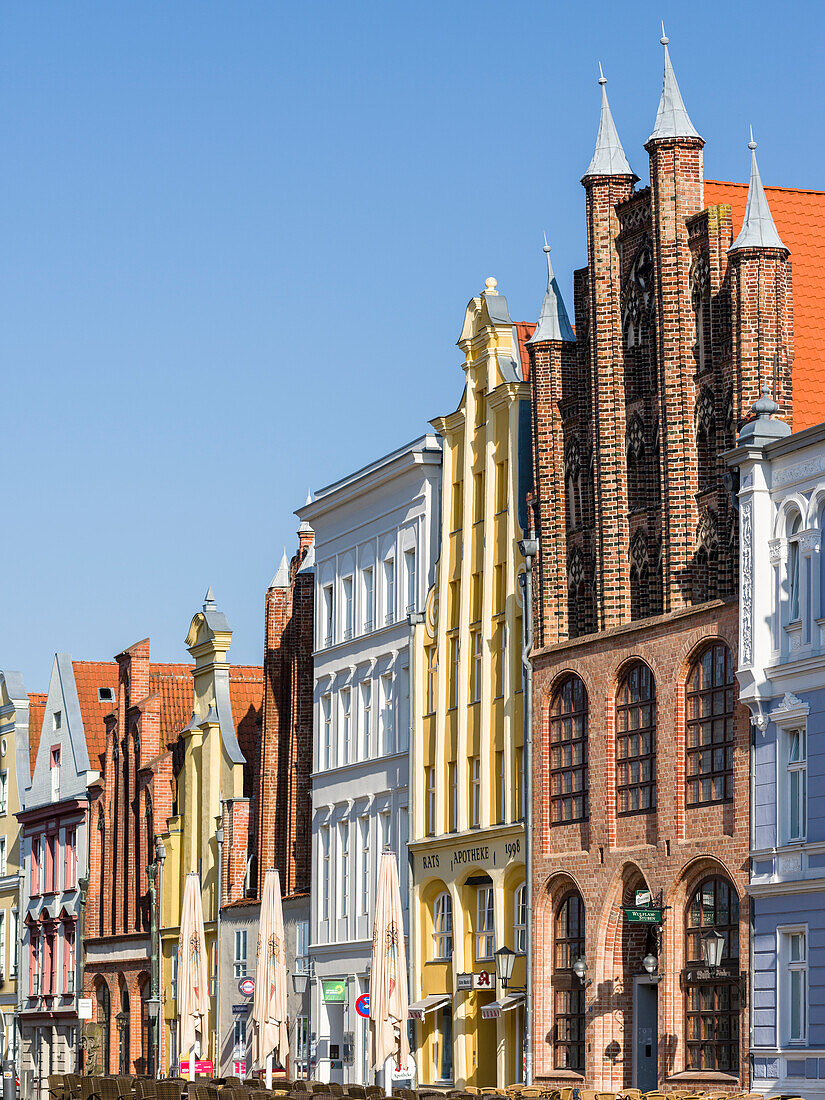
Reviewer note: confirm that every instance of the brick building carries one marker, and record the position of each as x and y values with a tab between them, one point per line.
145	707
641	764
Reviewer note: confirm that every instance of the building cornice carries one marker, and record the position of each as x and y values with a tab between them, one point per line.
788	886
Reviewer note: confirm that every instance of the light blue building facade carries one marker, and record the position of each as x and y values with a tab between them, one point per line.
782	681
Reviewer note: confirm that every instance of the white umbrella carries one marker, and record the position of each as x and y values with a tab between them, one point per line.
388	975
193	981
270	1030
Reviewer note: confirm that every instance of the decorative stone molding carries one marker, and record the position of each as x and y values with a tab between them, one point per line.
800	472
746	609
789	711
777	550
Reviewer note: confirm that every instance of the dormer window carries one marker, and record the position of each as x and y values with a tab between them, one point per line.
57	720
105	695
54	767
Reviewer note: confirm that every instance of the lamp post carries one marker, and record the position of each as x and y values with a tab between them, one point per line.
713	944
580	970
120	1020
505	958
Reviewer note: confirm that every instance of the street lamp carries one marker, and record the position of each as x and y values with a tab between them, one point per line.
713	944
505	957
300	981
120	1020
580	970
650	963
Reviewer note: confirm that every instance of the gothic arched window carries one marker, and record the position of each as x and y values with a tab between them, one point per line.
568	752
706	440
712	1007
709	728
636	741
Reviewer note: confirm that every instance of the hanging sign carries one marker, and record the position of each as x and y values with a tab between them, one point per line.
463	982
484	980
335	991
84	1008
643	916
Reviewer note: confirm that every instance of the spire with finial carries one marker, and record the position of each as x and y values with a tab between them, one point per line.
553	322
304	525
758	229
672	119
764	428
281	578
608	156
209	600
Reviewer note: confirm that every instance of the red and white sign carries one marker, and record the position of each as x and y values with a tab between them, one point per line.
246	986
202	1065
239	1069
484	980
362	1005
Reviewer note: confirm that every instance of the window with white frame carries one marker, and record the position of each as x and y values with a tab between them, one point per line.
389	590
326	746
3	969
329	612
443	927
348	607
240	953
54	761
302	947
429	780
3	861
174	974
796	785
346	724
302	1043
520	920
454	655
365	865
4	793
343	855
431	667
369	598
475	673
239	1038
475	791
409	568
13	959
366	719
387	714
485	926
452	784
794	525
793	984
325	870
384	818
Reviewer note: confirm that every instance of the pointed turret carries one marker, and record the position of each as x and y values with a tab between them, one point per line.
281	578
758	228
209	600
608	156
553	323
672	119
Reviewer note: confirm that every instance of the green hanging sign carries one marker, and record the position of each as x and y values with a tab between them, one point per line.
335	991
643	916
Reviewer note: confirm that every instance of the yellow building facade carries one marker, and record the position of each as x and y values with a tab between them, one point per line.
466	798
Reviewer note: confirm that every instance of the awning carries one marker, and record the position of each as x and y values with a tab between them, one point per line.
419	1009
494	1009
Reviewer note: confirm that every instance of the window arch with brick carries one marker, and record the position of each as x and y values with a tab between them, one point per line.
568	992
568	742
712	998
636	740
710	701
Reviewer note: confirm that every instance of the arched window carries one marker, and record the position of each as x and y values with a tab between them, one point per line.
794	525
637	466
712	1007
125	1059
568	752
520	920
705	418
709	735
104	1018
568	992
443	927
636	741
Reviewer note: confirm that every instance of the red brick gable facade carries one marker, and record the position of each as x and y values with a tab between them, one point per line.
637	784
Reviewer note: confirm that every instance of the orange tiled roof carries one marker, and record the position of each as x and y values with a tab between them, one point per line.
174	685
37	711
524	330
800	219
88	677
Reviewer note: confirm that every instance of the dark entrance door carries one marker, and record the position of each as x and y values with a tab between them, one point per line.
645	1036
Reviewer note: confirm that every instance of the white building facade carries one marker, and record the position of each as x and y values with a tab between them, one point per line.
375	550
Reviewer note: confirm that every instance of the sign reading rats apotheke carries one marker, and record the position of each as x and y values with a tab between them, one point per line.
449	860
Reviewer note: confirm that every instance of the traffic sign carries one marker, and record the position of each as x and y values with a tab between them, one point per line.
362	1005
246	986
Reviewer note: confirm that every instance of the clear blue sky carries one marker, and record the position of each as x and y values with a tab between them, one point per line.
237	243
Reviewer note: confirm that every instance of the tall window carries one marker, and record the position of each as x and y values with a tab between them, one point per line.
409	564
302	1044
369	598
454	671
501	485
34	878
520	920
3	861
499	658
365	865
325	869
55	772
68	958
387	714
520	790
343	850
346	724
452	783
326	748
443	1045
389	590
329	612
568	992
712	1000
710	703
366	718
796	785
69	859
793	984
568	752
443	927
501	786
485	924
4	793
239	965
457	506
429	779
793	568
475	791
348	607
636	741
475	672
431	665
302	947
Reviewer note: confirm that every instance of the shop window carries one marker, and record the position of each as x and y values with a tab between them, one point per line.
443	1045
712	1009
568	752
636	741
710	730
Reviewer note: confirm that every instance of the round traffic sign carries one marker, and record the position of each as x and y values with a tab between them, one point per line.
246	986
362	1005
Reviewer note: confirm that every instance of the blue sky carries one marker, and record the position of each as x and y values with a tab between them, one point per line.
237	244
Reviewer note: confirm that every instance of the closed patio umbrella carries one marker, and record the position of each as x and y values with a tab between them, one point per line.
270	1030
193	981
388	975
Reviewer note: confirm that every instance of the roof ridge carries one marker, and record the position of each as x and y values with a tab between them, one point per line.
768	187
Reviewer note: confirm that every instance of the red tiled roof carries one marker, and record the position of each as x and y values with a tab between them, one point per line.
174	685
800	219
246	692
88	677
37	710
524	330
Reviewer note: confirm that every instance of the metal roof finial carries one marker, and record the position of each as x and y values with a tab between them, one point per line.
758	227
608	157
602	77
553	322
672	119
751	143
664	39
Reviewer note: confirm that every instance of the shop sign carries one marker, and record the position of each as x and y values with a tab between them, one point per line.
494	853
242	1009
335	991
202	1065
484	979
642	899
643	916
84	1008
239	1068
463	982
719	973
